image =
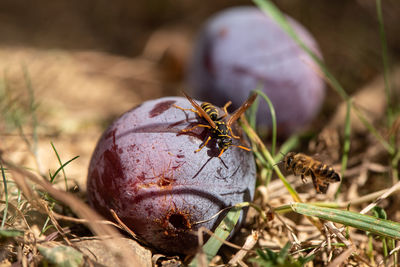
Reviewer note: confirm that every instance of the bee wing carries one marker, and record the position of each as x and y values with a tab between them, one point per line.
236	115
322	157
200	110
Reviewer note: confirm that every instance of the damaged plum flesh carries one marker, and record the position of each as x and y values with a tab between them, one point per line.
147	171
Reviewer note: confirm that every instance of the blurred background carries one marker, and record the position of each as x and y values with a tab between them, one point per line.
88	62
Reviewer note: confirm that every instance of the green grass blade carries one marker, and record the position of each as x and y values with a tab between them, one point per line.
261	159
346	144
373	130
363	222
6	196
287	146
223	230
385	60
269	8
59	161
388	91
288	207
63	256
10	233
273	119
61	166
284	251
265	153
32	111
274	130
45	227
347	133
395	163
252	113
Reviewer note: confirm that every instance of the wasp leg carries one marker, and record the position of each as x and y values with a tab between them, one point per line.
232	134
203	145
225	108
187	109
194	127
243	147
222	152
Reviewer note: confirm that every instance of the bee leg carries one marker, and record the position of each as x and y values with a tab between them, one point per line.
319	186
303	178
314	180
194	127
187	109
225	108
203	145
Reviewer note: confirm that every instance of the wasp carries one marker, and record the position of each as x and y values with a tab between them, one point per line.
221	131
321	174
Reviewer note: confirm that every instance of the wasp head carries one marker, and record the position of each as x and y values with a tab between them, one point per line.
224	143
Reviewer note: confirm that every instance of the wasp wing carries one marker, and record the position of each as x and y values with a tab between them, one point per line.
236	115
200	110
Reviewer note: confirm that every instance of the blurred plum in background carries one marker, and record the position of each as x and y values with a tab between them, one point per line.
146	170
240	49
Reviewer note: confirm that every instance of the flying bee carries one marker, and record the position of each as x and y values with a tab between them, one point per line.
221	131
321	174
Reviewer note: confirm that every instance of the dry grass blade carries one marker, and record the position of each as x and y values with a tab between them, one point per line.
123	226
56	224
31	196
338	261
351	248
249	244
338	233
77	220
394	250
10	205
127	257
394	188
394	130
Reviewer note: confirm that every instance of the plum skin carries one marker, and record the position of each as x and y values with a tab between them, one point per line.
147	172
240	49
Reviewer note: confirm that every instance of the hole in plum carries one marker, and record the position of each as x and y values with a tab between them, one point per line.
179	221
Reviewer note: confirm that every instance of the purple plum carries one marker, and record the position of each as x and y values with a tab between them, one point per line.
240	49
147	171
